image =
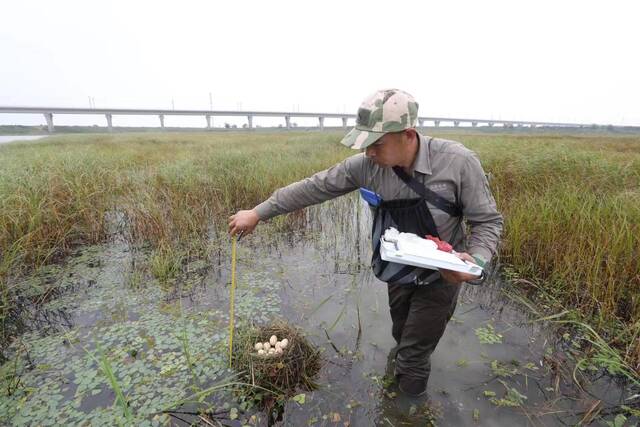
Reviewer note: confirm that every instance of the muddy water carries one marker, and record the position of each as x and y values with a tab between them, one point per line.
329	290
494	366
10	138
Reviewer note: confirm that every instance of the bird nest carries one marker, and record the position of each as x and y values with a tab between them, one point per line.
281	373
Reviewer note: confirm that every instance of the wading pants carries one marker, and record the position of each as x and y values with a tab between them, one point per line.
419	314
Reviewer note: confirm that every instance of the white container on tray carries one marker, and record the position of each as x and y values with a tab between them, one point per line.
410	249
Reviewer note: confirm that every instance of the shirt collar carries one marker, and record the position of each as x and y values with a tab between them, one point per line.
422	163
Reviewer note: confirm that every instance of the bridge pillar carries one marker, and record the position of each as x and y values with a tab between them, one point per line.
436	123
490	124
287	120
421	123
321	122
456	123
250	121
344	122
161	117
208	117
474	124
109	122
49	118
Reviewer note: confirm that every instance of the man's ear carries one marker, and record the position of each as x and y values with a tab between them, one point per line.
411	133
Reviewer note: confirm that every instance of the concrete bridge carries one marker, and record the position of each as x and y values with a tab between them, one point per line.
109	113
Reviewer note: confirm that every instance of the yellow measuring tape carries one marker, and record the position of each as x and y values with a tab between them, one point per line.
233	293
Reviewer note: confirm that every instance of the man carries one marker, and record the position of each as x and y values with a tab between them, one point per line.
416	184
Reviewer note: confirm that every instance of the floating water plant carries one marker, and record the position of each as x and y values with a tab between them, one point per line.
488	335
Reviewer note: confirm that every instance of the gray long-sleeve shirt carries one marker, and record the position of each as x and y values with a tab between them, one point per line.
446	167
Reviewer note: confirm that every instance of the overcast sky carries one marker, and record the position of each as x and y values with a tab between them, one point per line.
541	60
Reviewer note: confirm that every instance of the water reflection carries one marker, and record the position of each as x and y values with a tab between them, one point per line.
334	295
315	269
12	138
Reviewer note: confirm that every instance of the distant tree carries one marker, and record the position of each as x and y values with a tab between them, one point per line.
227	126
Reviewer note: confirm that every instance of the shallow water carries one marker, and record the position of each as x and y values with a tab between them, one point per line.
10	138
317	279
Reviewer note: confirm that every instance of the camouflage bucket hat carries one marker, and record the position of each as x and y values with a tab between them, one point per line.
388	110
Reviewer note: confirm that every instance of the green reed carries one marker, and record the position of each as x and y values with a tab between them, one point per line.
571	202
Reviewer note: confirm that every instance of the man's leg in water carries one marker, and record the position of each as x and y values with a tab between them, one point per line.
419	315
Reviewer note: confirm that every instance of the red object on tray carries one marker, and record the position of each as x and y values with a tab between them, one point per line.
442	245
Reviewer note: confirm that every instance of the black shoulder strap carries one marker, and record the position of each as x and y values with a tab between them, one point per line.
431	196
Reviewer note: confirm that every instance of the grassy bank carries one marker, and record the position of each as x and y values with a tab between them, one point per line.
572	203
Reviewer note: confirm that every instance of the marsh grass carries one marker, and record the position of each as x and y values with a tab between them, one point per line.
166	263
183	337
597	351
573	217
105	367
571	204
57	194
172	192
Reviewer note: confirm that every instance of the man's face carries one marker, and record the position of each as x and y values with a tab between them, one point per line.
389	150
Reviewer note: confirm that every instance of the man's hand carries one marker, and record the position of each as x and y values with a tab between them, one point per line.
243	221
457	277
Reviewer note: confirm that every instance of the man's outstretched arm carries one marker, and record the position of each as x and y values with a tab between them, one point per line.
339	179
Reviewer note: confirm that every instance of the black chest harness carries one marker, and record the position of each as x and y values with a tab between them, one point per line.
409	216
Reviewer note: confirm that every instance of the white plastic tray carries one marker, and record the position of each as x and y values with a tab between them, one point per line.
409	249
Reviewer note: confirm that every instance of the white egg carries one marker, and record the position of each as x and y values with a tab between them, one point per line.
284	343
272	351
258	346
266	346
273	340
278	350
261	352
278	344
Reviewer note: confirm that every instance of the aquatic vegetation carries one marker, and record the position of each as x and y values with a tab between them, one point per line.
146	378
161	202
570	202
166	263
139	355
619	421
488	335
502	370
572	216
107	371
299	398
589	348
511	398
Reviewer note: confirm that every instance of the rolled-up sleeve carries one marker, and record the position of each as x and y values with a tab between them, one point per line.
339	179
479	209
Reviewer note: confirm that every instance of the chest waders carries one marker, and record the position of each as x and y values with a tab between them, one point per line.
408	216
